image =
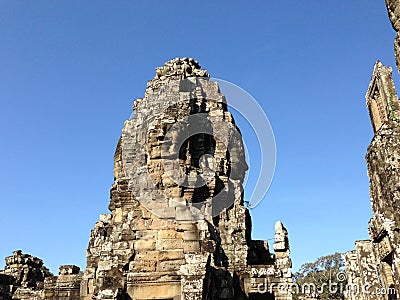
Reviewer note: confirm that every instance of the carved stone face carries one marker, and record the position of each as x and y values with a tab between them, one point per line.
191	153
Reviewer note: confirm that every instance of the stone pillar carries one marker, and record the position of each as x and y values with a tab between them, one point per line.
282	250
65	286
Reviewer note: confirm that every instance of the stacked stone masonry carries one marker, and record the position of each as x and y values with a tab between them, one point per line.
165	239
26	278
373	269
23	277
178	227
393	8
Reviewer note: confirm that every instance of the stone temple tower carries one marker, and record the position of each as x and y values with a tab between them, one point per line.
178	227
383	162
376	263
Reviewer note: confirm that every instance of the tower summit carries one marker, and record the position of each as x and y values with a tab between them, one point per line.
376	262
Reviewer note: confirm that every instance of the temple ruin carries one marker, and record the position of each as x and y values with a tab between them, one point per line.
25	277
373	269
375	263
178	227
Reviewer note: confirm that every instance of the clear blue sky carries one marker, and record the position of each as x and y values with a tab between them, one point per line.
70	70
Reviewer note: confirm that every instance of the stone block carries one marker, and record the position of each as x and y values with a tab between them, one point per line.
146	234
280	246
183	213
168	244
147	255
117	214
158	224
281	254
170	265
168	290
187	226
142	266
174	192
105	218
145	245
170	234
68	269
191	246
104	265
171	254
191	236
